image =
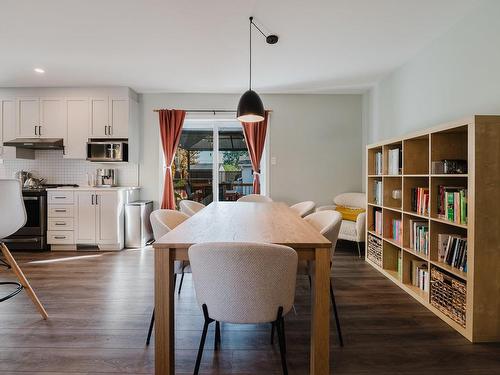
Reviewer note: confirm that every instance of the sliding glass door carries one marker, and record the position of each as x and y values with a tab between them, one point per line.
212	162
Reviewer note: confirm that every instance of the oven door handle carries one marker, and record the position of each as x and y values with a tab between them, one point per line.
30	198
24	240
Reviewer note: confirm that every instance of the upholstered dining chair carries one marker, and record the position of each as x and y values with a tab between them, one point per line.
13	218
190	207
255	198
328	223
163	221
243	283
303	208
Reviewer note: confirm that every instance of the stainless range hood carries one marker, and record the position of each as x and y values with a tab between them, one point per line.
36	143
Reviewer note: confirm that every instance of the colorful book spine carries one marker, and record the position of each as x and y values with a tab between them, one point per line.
452	204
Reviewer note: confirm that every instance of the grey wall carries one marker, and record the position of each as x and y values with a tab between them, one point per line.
316	140
457	75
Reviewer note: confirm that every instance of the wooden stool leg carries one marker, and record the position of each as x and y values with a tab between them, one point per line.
22	279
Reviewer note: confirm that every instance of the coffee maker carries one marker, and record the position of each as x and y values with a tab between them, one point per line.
106	177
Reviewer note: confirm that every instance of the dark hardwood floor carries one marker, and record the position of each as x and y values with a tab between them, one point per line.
100	305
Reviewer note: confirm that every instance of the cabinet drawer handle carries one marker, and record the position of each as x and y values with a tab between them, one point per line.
60	210
60	197
35	129
60	224
60	237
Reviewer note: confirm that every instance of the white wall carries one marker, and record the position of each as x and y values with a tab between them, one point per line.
315	138
456	76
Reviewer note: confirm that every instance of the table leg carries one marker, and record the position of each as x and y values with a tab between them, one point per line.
320	325
164	312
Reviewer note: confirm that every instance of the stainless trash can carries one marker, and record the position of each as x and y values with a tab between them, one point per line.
138	231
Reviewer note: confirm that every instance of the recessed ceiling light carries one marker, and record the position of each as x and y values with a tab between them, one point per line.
39	70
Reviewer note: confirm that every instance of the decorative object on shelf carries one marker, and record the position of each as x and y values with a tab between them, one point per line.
250	106
396	194
449	166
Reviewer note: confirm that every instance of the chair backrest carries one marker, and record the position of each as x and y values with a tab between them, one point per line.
304	208
328	224
163	221
190	207
254	198
13	213
244	282
354	200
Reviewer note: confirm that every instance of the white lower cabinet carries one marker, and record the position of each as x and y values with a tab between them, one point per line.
98	218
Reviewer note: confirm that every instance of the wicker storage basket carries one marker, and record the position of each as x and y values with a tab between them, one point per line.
374	250
448	295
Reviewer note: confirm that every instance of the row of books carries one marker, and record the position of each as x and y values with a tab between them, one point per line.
378	222
397	230
420	200
452	250
377	192
420	274
419	236
395	161
452	204
378	163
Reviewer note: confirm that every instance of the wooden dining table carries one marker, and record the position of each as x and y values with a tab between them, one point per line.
272	223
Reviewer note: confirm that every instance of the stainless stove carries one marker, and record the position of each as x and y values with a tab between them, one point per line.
33	235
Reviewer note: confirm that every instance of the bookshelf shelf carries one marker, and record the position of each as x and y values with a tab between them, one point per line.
447	222
416	253
472	194
411	213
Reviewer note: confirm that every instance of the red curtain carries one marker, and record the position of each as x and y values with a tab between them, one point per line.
255	137
171	121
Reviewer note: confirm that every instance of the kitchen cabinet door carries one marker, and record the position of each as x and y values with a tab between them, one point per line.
78	123
28	117
108	218
52	118
99	127
85	217
7	127
119	116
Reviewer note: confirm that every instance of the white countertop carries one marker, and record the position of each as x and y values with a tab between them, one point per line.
87	188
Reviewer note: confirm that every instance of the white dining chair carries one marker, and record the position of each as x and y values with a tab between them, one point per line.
190	207
255	198
328	223
243	283
304	208
13	218
163	221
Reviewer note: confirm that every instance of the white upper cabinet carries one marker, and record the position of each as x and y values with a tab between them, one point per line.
28	116
110	117
78	121
100	117
7	127
41	117
52	119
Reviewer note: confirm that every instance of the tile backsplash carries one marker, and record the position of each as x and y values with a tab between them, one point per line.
56	170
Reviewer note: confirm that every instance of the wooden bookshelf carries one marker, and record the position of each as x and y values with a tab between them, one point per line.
477	140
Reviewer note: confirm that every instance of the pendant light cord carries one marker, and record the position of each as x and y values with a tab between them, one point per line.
250	33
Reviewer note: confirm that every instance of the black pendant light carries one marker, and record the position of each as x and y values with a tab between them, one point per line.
250	106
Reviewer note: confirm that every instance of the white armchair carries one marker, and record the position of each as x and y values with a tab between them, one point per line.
351	230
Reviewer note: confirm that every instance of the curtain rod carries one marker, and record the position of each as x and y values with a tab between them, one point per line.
214	111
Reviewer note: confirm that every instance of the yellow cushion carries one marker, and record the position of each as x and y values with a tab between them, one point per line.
349	213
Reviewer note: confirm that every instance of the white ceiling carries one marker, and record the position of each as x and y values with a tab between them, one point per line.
202	45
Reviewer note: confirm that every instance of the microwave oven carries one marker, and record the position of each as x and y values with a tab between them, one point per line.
106	150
